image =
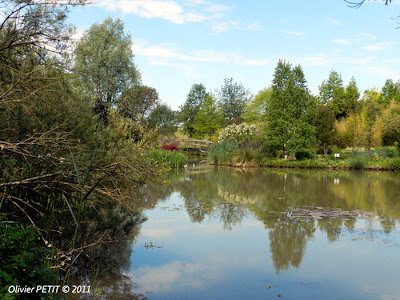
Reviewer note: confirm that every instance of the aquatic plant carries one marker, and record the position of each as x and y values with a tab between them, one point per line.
221	152
167	159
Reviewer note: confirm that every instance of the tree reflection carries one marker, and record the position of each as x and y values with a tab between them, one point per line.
230	195
288	239
102	256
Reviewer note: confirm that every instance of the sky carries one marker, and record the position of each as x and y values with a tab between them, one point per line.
178	43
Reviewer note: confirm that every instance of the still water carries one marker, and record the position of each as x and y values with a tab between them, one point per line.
225	233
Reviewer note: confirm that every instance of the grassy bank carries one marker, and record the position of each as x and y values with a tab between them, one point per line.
383	158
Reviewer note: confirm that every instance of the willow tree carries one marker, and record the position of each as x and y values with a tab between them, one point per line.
104	63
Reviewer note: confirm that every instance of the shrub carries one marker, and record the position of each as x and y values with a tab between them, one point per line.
170	147
234	132
386	151
395	165
305	154
358	162
221	152
22	261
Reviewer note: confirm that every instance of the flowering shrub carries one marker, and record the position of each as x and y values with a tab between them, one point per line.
170	147
233	131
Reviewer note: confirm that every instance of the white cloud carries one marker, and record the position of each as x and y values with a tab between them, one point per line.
377	46
383	72
320	59
197	11
172	275
170	55
341	41
333	21
224	26
294	33
220	27
217	8
362	36
359	60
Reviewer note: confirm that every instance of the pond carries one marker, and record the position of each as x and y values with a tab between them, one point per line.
226	233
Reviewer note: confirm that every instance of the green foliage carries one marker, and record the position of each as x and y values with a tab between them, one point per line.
256	108
232	97
167	159
352	94
163	118
23	260
358	161
384	152
291	110
390	92
197	95
395	165
137	102
305	154
369	117
332	94
245	155
391	125
104	64
208	119
221	152
324	122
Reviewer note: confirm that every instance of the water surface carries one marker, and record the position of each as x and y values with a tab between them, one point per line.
225	233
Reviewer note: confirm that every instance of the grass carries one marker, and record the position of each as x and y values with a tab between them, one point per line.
221	153
167	159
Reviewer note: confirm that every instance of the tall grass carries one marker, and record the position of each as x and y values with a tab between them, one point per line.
167	159
221	152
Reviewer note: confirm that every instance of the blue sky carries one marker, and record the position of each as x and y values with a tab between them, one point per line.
181	42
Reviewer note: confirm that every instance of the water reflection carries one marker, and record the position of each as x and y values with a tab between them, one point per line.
229	195
224	236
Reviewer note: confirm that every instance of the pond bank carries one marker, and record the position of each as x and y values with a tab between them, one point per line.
311	164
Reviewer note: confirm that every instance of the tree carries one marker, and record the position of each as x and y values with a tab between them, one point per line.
190	108
391	124
390	91
208	119
360	3
324	127
351	95
290	111
256	109
104	62
163	118
332	94
233	97
369	116
136	103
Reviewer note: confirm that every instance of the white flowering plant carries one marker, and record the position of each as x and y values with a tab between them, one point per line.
236	133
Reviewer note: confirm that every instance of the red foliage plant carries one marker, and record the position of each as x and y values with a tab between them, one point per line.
171	147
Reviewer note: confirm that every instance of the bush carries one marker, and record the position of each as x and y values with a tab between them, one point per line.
358	162
245	155
387	152
305	154
234	132
395	165
22	261
167	159
221	152
170	147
